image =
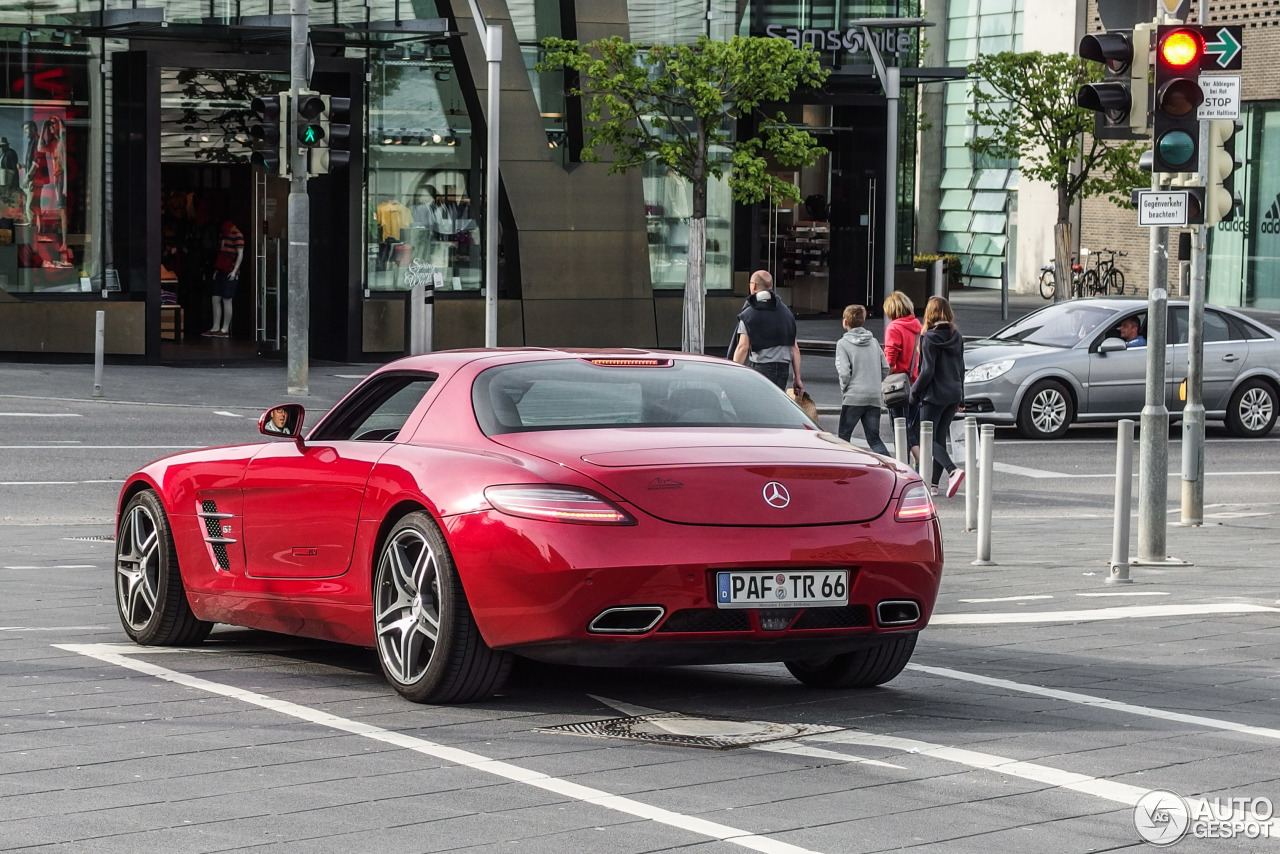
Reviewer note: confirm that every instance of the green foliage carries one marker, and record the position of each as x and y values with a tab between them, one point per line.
1025	109
953	265
676	104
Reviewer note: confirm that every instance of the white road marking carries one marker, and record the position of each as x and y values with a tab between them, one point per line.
1097	702
465	758
63	566
1124	612
98	447
223	412
57	482
1125	593
1045	474
351	376
1006	599
53	628
1121	793
39	414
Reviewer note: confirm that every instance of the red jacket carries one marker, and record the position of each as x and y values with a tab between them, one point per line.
900	338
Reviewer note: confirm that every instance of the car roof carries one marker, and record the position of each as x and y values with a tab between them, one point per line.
450	361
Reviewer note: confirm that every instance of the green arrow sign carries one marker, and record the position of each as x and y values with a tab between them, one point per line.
1225	49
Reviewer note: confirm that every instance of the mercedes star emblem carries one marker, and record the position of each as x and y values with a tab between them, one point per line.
776	495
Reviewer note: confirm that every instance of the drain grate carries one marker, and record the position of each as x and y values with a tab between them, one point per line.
691	731
110	539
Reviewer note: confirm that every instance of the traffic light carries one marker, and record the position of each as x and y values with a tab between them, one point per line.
1179	51
270	133
1221	161
1122	98
310	129
1190	182
334	151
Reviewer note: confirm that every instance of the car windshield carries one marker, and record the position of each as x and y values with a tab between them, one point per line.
1062	325
575	394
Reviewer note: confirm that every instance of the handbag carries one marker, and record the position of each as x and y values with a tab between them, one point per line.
805	402
895	389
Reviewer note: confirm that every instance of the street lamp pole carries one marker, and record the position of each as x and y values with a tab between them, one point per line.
491	34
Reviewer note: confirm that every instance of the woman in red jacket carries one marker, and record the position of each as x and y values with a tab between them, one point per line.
900	336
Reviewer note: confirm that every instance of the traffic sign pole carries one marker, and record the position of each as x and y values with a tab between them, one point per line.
299	212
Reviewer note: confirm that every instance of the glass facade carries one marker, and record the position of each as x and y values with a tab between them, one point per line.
977	198
1244	253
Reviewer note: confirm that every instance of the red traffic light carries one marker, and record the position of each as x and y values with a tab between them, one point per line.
1182	49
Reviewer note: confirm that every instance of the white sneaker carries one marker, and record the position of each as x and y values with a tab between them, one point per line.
953	482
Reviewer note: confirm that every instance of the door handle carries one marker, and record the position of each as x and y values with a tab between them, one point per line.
1230	357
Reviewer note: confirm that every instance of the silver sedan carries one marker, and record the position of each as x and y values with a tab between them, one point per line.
1067	363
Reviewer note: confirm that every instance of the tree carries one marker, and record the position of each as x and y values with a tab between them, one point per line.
676	104
1025	109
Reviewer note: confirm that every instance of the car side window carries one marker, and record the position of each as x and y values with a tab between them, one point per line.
1178	321
377	411
1216	328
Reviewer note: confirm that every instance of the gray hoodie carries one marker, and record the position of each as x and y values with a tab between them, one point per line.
861	365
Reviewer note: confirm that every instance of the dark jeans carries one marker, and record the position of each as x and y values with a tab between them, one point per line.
941	415
775	371
911	412
869	417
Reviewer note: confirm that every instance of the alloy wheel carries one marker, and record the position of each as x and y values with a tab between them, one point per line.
138	567
1048	410
1255	408
407	606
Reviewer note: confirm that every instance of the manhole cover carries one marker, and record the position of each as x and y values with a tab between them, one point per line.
108	539
691	731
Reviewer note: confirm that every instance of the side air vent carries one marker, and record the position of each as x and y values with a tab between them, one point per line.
213	532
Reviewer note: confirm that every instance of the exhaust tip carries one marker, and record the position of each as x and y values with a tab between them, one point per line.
630	620
897	612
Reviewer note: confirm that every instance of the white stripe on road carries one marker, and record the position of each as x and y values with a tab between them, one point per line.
1045	474
57	482
39	414
61	566
465	758
1122	613
53	628
98	447
1098	702
1006	599
228	414
1125	593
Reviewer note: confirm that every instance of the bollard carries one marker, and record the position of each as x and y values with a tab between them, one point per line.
986	473
99	347
900	449
1124	498
926	451
971	472
414	322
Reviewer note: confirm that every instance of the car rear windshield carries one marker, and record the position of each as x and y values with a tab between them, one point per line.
575	394
1063	325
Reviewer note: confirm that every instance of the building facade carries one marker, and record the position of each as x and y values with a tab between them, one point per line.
124	151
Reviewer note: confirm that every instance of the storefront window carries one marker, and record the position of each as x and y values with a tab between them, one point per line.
425	177
45	178
668	205
1244	253
533	21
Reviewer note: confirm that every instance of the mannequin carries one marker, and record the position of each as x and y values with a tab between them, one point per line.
226	275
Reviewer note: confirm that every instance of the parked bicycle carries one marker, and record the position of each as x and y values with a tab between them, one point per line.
1110	277
1102	278
1049	280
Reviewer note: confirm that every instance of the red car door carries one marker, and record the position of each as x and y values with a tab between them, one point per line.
301	507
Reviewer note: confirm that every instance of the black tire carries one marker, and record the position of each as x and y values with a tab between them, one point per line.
1252	410
1089	285
864	668
1115	282
1046	411
1047	284
428	644
150	598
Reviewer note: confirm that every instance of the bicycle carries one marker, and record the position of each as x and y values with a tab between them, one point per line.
1111	278
1049	281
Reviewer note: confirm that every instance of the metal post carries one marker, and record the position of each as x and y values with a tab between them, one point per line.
99	348
299	209
1124	500
890	82
900	449
971	468
1153	457
1193	410
414	342
493	54
986	483
1004	291
926	450
428	316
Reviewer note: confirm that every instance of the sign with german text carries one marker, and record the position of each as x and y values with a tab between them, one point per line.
1221	97
1162	208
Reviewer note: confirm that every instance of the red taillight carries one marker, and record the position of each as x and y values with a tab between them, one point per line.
630	363
557	504
914	504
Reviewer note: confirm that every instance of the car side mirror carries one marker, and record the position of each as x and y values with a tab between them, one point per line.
283	421
1112	345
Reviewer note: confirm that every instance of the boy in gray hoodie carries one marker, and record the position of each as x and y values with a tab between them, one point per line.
861	366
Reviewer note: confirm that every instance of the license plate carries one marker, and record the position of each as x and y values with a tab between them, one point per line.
773	589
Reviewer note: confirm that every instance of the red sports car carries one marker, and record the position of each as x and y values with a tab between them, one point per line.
610	508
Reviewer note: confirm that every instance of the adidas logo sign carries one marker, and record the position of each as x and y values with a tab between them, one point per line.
1271	219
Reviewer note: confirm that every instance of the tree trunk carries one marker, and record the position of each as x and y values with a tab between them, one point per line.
692	334
1062	260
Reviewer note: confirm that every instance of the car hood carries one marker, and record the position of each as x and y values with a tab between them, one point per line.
720	476
991	350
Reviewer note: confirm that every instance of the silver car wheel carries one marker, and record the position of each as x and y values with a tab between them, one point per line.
138	567
407	614
1049	410
1255	408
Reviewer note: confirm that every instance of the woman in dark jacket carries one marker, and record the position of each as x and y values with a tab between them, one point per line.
939	389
